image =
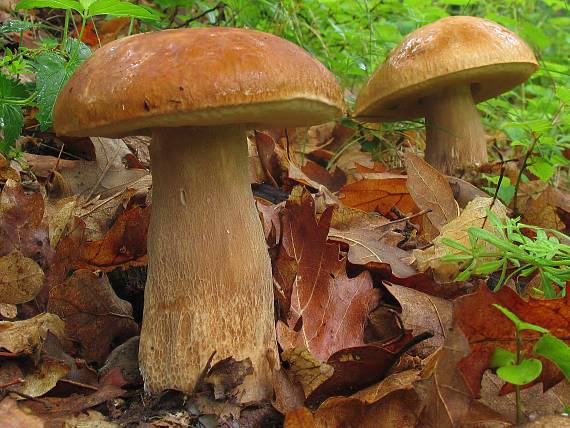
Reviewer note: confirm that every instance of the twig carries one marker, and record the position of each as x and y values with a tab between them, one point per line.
523	167
195	18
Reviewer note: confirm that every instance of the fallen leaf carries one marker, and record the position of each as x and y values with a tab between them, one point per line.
474	215
123	245
8	311
332	180
122	365
534	401
289	394
395	382
42	378
380	193
486	329
331	307
11	416
20	278
398	410
421	313
90	306
374	249
357	368
545	208
430	190
464	192
58	409
25	337
226	375
305	369
300	418
106	172
446	400
61	218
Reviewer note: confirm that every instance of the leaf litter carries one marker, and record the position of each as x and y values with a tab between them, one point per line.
366	333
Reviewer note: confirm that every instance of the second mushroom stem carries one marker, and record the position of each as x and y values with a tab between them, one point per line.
455	137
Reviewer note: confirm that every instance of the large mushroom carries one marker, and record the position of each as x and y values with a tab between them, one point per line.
440	72
196	91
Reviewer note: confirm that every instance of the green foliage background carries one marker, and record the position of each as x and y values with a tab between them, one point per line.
352	37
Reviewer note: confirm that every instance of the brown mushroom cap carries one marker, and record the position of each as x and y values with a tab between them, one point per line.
196	77
452	51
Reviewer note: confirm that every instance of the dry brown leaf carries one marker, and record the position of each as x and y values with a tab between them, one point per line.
20	278
42	378
6	171
11	416
331	308
380	193
473	216
464	192
446	400
306	370
123	245
57	410
300	418
373	248
534	401
90	419
486	329
422	312
106	172
60	219
430	190
544	209
90	306
8	311
397	410
289	394
25	337
395	382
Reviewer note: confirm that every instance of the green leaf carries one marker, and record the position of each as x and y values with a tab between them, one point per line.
119	8
54	4
10	88
489	267
542	169
52	72
519	324
12	122
454	244
556	351
86	3
521	374
501	357
16	26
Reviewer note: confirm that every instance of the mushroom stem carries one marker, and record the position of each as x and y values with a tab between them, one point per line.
209	285
455	137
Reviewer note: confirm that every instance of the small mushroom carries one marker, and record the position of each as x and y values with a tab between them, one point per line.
440	72
197	91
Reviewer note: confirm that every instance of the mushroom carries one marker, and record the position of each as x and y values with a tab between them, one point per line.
197	91
440	72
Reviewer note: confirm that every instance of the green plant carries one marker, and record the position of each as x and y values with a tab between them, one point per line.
51	65
520	369
515	255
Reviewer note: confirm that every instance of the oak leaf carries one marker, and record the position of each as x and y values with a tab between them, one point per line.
381	193
430	190
486	329
90	306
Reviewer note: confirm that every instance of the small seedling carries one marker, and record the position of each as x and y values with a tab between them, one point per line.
520	369
515	255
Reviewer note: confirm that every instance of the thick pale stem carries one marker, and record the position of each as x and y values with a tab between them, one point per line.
454	133
209	285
